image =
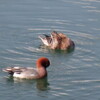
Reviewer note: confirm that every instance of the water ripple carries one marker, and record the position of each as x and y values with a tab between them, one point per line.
96	11
92	0
36	50
76	2
85	81
15	52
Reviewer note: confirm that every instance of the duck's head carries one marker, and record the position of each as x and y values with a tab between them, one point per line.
43	62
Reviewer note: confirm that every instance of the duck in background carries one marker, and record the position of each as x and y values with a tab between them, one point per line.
29	72
57	41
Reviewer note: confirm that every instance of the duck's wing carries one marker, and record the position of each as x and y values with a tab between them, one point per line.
28	73
46	39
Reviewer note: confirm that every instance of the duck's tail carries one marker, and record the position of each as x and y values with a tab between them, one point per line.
11	70
8	70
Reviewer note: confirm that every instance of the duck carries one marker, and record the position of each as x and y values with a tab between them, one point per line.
29	72
57	41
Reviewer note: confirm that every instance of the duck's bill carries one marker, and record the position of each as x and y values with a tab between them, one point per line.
46	39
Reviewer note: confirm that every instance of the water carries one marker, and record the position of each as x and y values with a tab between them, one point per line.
71	76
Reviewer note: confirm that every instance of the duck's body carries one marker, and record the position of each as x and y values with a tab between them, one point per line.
57	41
29	72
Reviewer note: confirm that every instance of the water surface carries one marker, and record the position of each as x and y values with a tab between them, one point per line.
71	76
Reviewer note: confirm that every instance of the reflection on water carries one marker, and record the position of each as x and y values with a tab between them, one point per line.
46	49
41	84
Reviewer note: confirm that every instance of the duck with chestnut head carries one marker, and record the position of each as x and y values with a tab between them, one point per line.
57	41
30	72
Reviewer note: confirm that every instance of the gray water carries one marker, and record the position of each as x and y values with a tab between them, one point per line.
71	76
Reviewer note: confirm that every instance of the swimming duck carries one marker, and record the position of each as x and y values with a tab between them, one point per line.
57	41
29	72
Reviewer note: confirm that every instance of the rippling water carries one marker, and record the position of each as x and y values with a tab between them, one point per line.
71	76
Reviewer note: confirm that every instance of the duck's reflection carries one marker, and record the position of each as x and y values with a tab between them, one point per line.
46	49
41	84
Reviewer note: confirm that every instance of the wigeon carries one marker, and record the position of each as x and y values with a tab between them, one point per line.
57	41
29	72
